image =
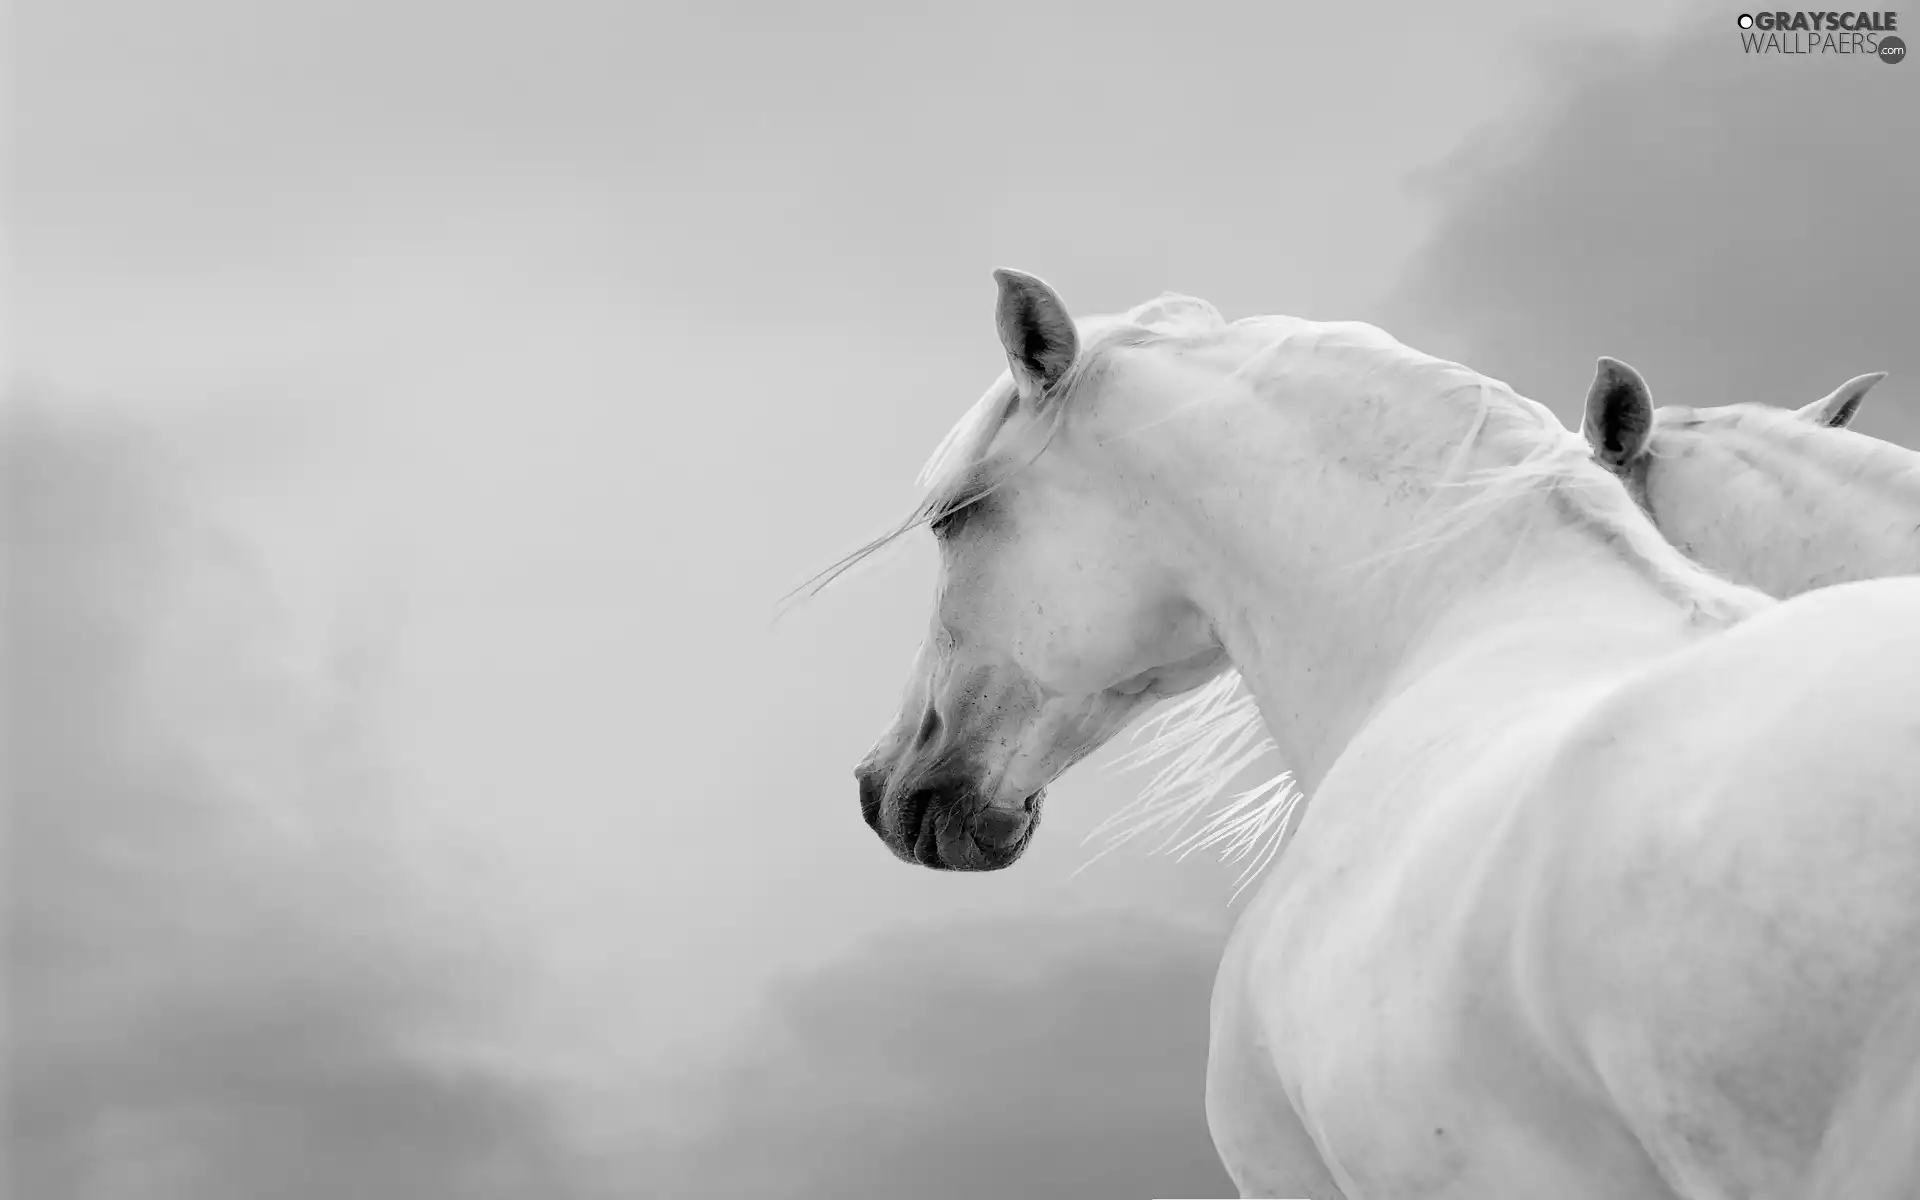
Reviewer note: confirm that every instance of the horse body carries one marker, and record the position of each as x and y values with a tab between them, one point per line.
1610	876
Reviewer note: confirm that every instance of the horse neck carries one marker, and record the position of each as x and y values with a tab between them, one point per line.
1305	571
1791	516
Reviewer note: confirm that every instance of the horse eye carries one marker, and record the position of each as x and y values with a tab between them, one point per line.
948	522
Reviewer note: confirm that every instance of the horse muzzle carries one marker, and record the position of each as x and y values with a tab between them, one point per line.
944	824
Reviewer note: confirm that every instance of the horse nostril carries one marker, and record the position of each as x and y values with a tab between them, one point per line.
872	788
929	728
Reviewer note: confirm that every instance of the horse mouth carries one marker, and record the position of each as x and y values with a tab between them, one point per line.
926	838
918	830
986	839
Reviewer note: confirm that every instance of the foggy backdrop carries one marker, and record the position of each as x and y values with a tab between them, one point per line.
416	409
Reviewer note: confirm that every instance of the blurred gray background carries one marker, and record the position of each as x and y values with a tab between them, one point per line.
415	410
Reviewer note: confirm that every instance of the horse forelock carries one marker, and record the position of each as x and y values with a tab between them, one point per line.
947	474
951	479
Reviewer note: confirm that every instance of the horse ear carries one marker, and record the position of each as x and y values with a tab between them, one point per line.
1619	418
1038	335
1838	407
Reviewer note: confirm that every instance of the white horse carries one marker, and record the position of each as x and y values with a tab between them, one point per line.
1785	500
1609	883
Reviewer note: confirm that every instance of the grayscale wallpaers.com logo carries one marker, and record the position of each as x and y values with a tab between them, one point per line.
1867	34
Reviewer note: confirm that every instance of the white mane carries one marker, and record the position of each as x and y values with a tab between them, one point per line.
1204	742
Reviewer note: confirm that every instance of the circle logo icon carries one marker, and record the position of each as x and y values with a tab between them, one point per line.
1745	21
1892	50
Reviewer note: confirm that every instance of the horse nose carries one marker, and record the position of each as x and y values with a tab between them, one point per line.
872	786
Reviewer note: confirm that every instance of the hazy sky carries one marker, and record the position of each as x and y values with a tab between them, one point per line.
449	392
